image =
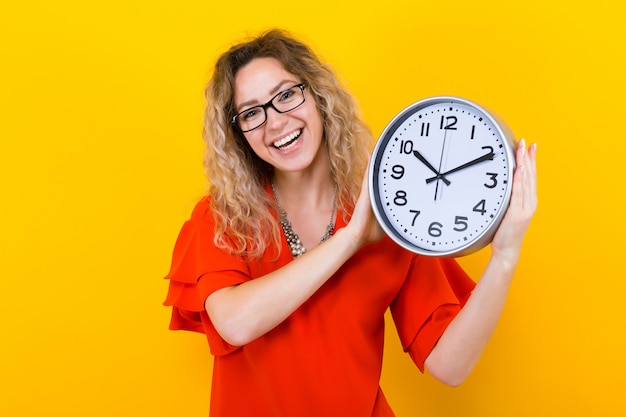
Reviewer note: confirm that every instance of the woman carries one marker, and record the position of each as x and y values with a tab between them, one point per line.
284	267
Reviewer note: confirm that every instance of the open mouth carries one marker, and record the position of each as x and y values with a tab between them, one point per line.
288	141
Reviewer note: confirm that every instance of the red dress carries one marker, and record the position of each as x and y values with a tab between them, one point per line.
326	358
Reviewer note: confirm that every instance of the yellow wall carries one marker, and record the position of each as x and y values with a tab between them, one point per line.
100	162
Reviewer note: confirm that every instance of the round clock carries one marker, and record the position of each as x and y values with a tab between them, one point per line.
440	176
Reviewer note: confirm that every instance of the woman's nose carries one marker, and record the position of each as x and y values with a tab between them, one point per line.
276	120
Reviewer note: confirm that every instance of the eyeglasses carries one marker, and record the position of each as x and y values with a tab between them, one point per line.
283	102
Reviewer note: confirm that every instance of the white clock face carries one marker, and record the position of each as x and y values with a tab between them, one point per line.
440	177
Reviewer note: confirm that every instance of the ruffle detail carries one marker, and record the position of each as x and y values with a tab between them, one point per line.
198	269
434	293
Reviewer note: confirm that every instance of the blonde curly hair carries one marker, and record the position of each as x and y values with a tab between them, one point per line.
244	213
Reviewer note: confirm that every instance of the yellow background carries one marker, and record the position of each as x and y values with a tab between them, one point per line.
100	160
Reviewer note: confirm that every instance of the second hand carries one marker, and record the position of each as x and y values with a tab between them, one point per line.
443	147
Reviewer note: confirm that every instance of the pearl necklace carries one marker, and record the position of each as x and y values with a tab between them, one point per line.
295	244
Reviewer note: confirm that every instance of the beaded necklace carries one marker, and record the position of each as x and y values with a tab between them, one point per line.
295	244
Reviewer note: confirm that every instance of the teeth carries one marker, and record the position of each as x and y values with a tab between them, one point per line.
280	143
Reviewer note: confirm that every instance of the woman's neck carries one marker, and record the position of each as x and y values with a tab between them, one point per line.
313	188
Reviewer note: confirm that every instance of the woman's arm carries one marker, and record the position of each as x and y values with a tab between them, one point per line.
462	343
244	312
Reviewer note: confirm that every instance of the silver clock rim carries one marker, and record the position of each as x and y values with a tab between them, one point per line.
483	238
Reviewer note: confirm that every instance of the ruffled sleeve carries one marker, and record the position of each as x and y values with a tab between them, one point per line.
430	298
198	269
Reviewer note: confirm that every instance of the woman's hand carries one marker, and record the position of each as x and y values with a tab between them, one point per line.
244	312
363	224
507	242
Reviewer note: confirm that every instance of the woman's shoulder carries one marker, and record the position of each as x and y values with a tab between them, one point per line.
202	210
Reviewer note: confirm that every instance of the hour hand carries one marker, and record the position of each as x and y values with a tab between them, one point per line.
419	156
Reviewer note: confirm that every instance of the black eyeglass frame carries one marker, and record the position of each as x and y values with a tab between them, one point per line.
270	103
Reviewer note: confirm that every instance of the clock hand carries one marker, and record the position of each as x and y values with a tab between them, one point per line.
419	156
486	157
443	148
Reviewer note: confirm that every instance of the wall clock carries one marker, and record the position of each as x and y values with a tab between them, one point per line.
440	176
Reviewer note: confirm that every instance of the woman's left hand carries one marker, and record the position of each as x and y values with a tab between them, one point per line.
507	241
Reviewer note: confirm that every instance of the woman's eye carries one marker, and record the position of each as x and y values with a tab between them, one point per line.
251	113
286	95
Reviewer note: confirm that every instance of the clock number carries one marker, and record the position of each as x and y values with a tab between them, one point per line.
400	198
425	129
480	207
435	229
398	172
417	213
460	221
473	130
451	122
492	177
406	146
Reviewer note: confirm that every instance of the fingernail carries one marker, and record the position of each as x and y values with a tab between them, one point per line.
522	143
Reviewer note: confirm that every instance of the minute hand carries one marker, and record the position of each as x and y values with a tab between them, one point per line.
486	157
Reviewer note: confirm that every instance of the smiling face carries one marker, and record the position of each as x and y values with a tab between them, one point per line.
289	141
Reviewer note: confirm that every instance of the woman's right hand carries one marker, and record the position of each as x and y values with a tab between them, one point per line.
244	312
363	225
